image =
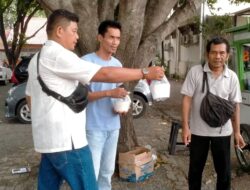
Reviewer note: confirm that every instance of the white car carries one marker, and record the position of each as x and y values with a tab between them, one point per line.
5	74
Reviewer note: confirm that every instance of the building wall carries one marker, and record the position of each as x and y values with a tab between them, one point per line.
180	57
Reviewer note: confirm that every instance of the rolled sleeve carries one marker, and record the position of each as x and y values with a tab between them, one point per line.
190	84
235	94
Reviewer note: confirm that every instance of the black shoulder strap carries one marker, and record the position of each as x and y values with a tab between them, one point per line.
204	80
44	87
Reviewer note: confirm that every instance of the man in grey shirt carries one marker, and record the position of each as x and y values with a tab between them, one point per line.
224	83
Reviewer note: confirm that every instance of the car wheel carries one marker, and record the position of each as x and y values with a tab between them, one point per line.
244	156
139	106
23	112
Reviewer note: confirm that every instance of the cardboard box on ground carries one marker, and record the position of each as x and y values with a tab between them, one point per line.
136	165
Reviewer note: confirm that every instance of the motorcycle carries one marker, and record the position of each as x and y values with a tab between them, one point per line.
243	155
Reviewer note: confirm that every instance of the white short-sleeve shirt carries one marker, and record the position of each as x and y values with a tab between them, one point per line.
226	86
55	126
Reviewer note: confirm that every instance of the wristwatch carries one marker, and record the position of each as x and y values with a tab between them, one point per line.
144	71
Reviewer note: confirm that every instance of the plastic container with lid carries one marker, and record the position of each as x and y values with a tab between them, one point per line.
121	104
160	90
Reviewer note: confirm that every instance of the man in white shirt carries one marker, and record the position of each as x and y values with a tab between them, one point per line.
58	132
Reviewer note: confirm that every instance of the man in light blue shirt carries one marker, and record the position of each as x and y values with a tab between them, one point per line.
103	123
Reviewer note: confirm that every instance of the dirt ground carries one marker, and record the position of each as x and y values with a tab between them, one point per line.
16	150
171	108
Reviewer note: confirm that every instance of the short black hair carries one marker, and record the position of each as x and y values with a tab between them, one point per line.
103	27
59	16
218	40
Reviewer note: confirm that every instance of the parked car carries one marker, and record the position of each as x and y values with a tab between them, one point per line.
16	105
5	74
20	73
142	98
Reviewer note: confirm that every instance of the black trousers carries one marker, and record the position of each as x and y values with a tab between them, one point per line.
220	148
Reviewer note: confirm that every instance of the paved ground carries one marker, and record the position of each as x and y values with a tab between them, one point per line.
16	150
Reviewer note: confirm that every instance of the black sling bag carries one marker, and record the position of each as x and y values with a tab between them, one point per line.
214	110
77	101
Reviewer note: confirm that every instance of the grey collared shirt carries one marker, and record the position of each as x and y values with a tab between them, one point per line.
226	86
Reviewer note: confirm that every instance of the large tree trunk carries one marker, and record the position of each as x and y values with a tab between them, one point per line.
127	139
145	24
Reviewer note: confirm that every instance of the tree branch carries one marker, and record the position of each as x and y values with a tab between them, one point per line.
179	18
46	5
4	39
106	9
131	16
88	25
29	17
3	8
152	17
27	38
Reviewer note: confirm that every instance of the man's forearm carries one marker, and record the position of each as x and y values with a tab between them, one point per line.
28	99
92	96
117	75
236	119
111	93
186	104
113	74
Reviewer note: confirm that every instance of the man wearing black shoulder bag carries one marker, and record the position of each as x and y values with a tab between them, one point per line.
210	113
57	101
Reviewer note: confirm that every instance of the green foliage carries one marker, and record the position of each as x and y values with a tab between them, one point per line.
216	25
16	14
211	3
239	1
12	8
7	9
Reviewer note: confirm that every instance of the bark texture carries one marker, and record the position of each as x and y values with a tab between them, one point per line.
145	24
